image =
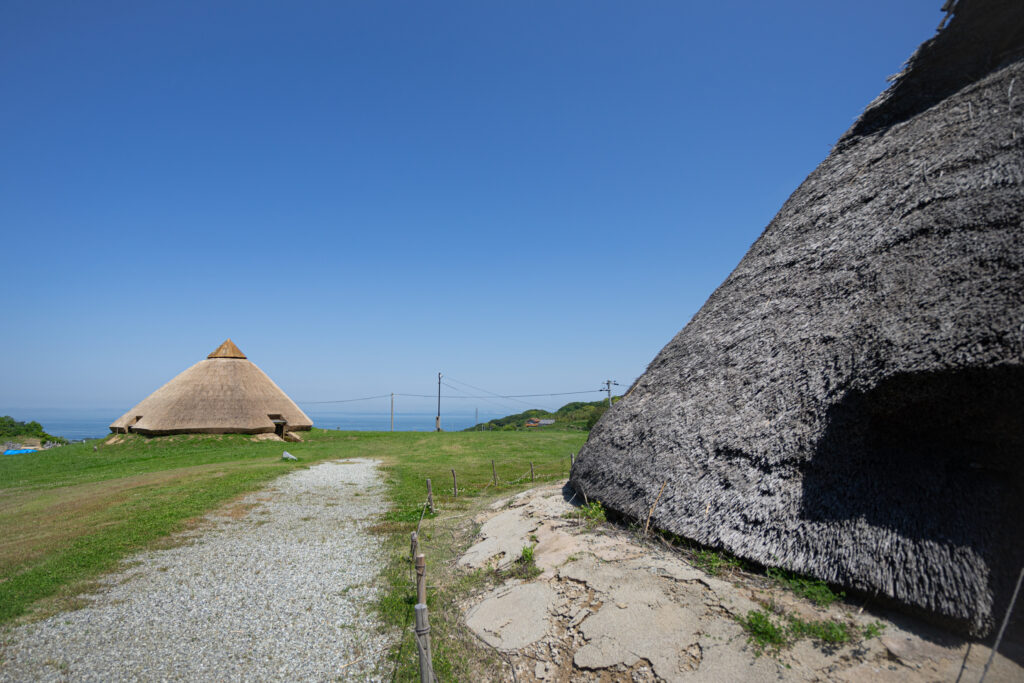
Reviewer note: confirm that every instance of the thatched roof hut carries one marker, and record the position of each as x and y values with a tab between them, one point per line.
849	403
225	393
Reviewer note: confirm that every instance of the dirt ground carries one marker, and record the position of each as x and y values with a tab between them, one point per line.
613	605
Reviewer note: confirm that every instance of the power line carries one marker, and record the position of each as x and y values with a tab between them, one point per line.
349	400
513	398
556	393
503	406
370	398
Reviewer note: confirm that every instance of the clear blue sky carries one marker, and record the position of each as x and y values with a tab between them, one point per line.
528	196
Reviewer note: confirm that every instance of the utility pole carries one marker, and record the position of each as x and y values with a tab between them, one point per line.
608	384
437	424
392	411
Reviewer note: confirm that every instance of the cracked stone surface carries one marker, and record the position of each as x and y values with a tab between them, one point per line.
610	607
512	618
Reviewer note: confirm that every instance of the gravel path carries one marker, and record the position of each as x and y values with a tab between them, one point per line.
283	592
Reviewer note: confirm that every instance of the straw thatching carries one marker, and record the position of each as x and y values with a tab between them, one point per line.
849	403
225	393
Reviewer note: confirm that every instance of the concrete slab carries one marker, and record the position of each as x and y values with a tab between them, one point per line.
512	618
625	635
504	536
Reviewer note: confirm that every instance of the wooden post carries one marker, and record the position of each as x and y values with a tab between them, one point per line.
430	497
414	546
437	425
531	471
423	638
455	484
423	622
421	579
494	473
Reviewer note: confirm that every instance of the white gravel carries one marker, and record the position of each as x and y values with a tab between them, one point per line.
283	593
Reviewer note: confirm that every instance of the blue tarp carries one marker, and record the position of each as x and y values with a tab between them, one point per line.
17	451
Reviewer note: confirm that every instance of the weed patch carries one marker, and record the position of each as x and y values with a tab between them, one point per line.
713	561
873	630
523	568
771	630
763	634
826	631
815	590
591	514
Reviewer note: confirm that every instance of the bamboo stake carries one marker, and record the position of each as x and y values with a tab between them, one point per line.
494	473
455	484
531	471
651	511
430	497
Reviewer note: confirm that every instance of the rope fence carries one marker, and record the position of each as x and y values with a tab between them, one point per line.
418	565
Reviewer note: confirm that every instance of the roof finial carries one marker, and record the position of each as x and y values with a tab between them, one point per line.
227	350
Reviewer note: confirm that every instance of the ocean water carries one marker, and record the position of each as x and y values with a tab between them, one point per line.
93	423
404	422
72	424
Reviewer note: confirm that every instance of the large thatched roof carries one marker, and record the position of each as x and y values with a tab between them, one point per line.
226	393
849	403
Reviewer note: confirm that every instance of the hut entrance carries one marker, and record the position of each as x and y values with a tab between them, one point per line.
279	424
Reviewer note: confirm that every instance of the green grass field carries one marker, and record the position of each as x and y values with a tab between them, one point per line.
71	513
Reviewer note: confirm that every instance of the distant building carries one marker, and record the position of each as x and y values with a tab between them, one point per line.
223	394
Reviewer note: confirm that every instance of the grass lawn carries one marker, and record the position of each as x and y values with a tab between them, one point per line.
71	513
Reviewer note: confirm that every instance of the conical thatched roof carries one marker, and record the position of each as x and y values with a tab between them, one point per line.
226	393
849	403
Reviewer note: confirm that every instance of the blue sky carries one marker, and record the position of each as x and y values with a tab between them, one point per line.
530	197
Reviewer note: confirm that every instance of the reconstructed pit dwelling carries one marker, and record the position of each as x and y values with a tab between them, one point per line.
224	394
849	403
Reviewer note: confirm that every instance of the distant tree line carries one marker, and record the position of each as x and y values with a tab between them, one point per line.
9	427
580	415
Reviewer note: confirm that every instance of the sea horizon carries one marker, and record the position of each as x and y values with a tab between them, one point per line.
76	424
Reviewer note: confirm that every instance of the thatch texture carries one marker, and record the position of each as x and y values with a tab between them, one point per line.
849	403
224	394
